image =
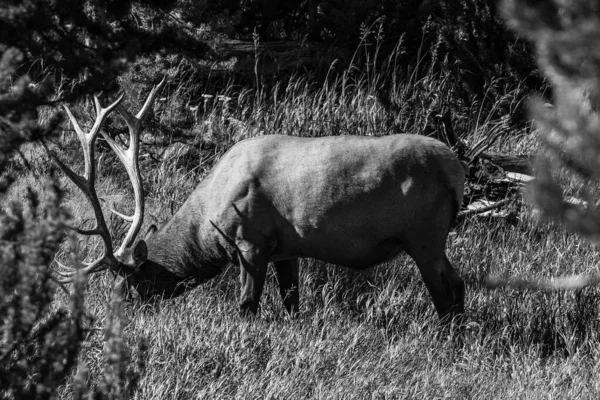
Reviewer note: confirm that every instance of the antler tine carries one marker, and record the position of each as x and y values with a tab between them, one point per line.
102	113
85	232
141	115
88	140
127	218
69	270
74	122
97	265
86	184
129	159
78	180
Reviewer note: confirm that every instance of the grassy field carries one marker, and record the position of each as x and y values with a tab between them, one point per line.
360	334
375	335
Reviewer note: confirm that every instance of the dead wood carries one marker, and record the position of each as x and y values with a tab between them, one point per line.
521	164
274	56
485	209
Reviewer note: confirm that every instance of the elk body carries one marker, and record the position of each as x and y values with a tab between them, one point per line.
348	200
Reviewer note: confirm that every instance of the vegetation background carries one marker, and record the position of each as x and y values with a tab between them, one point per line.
238	69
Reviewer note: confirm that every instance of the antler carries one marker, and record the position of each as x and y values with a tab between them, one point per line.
129	158
86	183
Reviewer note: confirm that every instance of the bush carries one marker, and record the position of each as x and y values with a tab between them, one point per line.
40	342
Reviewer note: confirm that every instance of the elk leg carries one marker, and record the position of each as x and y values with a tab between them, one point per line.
458	287
243	277
443	283
253	271
288	278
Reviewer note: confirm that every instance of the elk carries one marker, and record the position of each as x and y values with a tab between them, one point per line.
354	201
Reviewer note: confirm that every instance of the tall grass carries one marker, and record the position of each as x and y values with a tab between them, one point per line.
359	334
375	334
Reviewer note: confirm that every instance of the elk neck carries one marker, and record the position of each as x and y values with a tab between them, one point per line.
183	245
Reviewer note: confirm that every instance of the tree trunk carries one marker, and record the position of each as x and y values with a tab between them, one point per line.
313	27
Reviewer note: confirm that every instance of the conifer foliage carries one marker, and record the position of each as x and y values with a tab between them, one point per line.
53	51
567	37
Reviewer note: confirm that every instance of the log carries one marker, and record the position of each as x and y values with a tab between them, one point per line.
522	164
240	48
274	56
485	208
519	179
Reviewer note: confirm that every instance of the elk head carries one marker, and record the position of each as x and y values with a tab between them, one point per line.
127	260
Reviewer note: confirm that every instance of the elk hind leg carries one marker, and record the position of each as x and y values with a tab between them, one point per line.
445	286
288	278
455	285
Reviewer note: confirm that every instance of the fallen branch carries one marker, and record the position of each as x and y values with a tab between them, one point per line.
480	210
521	179
521	164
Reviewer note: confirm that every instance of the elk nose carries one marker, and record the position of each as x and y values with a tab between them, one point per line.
127	292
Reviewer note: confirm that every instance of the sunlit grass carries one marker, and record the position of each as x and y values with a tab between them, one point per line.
375	333
359	334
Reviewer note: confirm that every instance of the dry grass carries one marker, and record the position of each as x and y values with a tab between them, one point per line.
370	334
374	334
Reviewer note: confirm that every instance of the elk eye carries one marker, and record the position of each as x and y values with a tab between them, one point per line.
140	252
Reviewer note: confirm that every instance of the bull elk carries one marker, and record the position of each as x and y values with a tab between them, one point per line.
348	200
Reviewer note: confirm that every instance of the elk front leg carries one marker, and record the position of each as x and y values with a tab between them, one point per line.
253	270
288	278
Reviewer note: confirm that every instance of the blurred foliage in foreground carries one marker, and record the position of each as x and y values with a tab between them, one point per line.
567	37
50	58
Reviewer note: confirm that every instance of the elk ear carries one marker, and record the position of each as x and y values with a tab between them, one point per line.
243	245
140	252
151	230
